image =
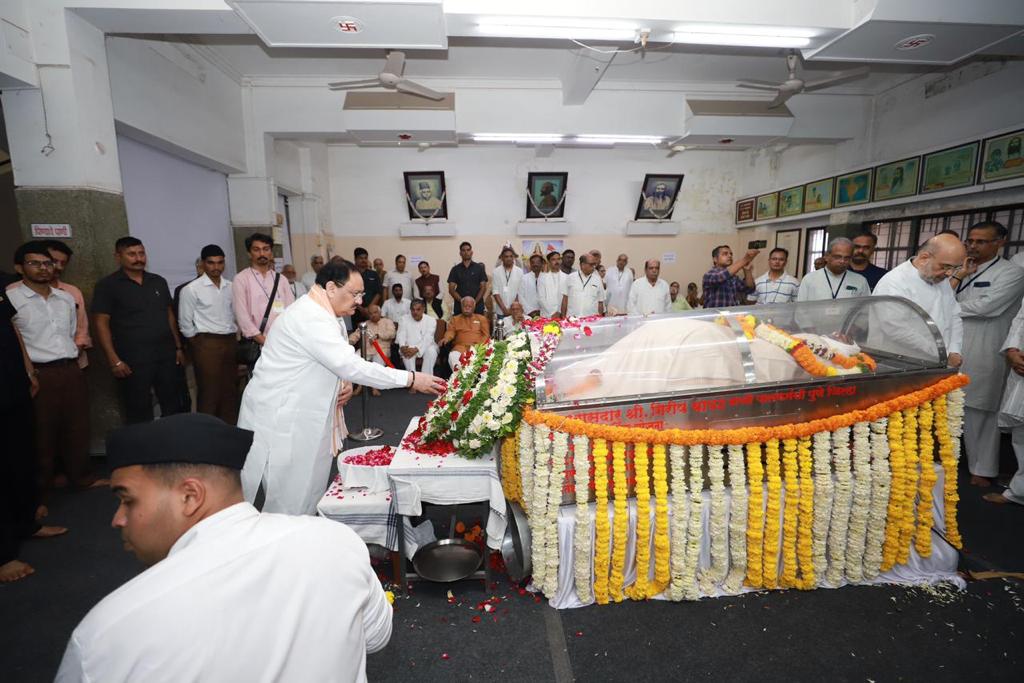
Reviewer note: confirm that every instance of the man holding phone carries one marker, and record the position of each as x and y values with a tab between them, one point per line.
723	286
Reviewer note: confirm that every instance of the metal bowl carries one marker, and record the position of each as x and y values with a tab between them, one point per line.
447	560
516	544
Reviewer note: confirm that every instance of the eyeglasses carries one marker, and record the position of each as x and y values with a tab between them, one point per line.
39	264
978	243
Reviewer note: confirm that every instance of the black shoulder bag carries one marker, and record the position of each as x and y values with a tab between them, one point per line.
248	349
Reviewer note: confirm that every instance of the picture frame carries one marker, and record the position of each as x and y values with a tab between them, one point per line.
767	206
745	210
896	179
1002	157
791	201
950	168
790	241
658	195
853	188
545	194
426	195
818	195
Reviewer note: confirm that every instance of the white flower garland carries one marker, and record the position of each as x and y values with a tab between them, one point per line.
559	451
582	539
538	516
880	483
496	410
526	465
715	574
823	491
857	538
955	413
840	507
691	590
678	521
737	519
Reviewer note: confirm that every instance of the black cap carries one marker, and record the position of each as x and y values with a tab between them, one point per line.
187	438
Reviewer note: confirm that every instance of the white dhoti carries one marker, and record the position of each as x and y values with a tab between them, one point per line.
429	356
981	441
1015	493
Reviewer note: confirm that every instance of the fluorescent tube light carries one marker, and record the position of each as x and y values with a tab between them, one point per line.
618	139
536	138
746	36
553	27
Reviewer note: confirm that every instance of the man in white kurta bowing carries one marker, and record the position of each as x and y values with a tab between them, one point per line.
291	401
989	290
230	594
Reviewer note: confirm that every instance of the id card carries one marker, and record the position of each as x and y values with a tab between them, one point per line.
278	306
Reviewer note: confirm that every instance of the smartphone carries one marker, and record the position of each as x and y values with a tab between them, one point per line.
757	244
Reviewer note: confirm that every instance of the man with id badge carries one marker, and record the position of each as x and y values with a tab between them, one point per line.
258	296
835	280
989	289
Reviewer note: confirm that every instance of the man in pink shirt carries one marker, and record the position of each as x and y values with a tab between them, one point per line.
251	288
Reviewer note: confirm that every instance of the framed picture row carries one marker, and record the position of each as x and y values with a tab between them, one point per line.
993	159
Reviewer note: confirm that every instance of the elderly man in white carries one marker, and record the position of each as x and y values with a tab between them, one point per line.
1011	411
649	295
618	281
583	291
416	339
989	289
835	280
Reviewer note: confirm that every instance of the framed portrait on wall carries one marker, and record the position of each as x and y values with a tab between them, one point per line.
791	201
949	168
853	188
767	206
790	241
896	179
818	195
1002	158
745	210
426	195
546	195
658	196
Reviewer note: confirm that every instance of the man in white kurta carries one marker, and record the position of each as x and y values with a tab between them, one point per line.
529	286
231	594
397	307
583	291
835	280
922	280
618	281
416	339
1011	411
549	287
505	281
989	290
650	294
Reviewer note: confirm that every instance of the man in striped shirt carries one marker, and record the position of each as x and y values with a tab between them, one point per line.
776	286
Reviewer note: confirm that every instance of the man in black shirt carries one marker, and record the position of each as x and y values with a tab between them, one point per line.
139	335
860	263
468	278
372	286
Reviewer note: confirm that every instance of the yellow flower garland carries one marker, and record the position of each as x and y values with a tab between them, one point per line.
620	521
511	481
894	518
805	521
948	460
912	460
790	514
640	590
602	540
770	571
925	519
662	573
755	515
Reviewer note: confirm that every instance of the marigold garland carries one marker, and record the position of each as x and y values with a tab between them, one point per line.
755	515
955	407
790	513
770	555
805	519
661	531
911	459
602	527
880	483
894	516
948	460
737	519
923	535
511	482
640	589
620	522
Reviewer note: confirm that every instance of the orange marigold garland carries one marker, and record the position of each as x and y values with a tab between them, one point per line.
620	522
897	496
659	473
791	512
770	557
511	482
640	590
602	527
912	460
925	518
805	520
948	459
755	515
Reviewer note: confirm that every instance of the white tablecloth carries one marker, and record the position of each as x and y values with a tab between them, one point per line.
941	566
449	480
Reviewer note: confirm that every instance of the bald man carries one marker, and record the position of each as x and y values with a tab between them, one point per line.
922	280
650	294
465	330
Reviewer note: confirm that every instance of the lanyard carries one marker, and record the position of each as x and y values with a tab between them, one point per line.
252	271
965	285
585	283
839	287
508	278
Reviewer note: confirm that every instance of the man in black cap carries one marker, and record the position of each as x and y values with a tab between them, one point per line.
231	594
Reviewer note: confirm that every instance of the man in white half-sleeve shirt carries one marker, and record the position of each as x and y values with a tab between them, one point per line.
921	280
505	280
230	594
401	276
207	320
989	289
835	280
397	307
618	281
529	286
776	286
416	339
583	291
649	295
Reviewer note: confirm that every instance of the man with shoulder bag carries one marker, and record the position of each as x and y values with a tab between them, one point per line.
258	298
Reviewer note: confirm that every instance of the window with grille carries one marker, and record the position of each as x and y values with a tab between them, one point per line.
815	247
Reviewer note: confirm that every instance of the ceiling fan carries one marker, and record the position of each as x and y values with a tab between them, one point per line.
390	78
794	86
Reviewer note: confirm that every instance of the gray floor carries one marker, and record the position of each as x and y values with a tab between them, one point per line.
857	633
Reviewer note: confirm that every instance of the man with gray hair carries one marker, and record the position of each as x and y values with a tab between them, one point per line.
316	262
649	295
835	280
465	330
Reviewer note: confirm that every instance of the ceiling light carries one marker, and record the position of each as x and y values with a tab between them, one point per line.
745	36
528	138
549	27
618	139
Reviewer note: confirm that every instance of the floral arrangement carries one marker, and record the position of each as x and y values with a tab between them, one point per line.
808	357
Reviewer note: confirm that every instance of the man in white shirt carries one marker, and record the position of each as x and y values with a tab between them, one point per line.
289	598
47	321
416	340
529	295
207	320
618	282
397	307
296	285
505	280
649	295
549	287
402	277
316	262
583	291
922	281
989	289
835	280
513	322
776	286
